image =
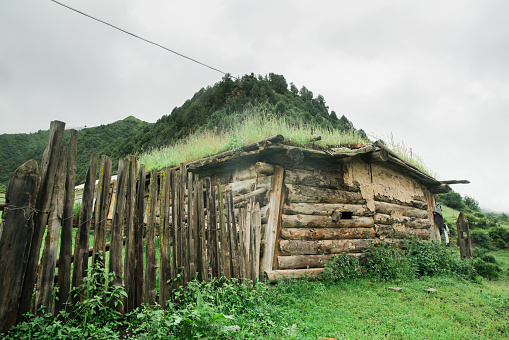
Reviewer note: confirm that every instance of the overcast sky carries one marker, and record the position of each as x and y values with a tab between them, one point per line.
432	73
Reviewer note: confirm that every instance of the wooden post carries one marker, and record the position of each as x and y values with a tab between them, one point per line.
15	239
64	268
274	221
150	251
80	264
464	236
234	238
46	275
130	250
165	250
138	236
174	227
49	165
182	226
225	256
257	228
212	226
203	264
118	224
191	225
102	205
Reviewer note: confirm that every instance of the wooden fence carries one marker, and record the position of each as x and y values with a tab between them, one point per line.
192	229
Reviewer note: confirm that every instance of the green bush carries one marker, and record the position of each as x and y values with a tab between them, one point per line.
384	261
481	238
499	233
342	267
488	270
452	200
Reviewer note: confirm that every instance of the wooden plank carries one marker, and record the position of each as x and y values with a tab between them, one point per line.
118	225
191	225
325	209
234	238
211	219
274	219
81	246
314	234
250	208
15	239
45	278
149	293
257	228
410	222
138	237
64	270
390	209
243	258
49	165
182	227
238	199
225	254
312	221
275	275
309	194
130	247
165	248
102	205
299	247
174	227
203	234
402	232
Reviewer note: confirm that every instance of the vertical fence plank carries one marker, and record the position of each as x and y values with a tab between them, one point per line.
102	205
81	246
234	239
257	227
191	224
202	254
46	275
64	267
228	234
15	239
225	256
242	243
49	165
165	250
212	226
130	251
150	251
118	224
248	235
138	236
182	225
174	227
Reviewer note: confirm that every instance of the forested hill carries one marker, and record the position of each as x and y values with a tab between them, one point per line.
214	106
15	149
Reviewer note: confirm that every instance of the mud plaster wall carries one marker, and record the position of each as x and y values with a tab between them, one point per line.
377	182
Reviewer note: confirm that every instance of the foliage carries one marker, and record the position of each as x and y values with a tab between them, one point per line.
481	238
471	203
342	267
452	199
500	236
487	269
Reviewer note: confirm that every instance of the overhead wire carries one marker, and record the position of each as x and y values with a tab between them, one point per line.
138	37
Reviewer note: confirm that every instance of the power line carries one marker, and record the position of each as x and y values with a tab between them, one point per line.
136	36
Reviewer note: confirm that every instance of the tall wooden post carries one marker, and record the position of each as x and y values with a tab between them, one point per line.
464	236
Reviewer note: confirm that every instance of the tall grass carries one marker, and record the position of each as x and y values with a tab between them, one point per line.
252	125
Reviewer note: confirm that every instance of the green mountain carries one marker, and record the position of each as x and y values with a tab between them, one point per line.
15	149
213	107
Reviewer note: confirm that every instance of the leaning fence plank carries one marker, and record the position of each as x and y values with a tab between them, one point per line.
202	232
191	224
182	225
234	241
165	252
150	250
174	227
242	244
257	227
225	255
46	276
64	268
130	251
212	219
15	239
138	236
80	264
49	165
118	224
102	205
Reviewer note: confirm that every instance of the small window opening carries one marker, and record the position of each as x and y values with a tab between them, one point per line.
346	215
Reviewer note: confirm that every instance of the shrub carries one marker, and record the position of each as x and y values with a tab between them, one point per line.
487	270
499	233
341	267
452	199
385	262
481	238
472	203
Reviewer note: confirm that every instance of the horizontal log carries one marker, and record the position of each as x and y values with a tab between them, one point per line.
306	261
276	275
416	203
246	186
401	233
244	197
314	234
298	247
3	205
325	209
314	178
264	168
389	209
314	221
409	222
309	194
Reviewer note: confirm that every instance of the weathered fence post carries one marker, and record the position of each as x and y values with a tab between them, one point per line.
150	251
49	165
130	260
138	236
464	236
80	265
165	250
16	238
46	275
102	205
64	266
